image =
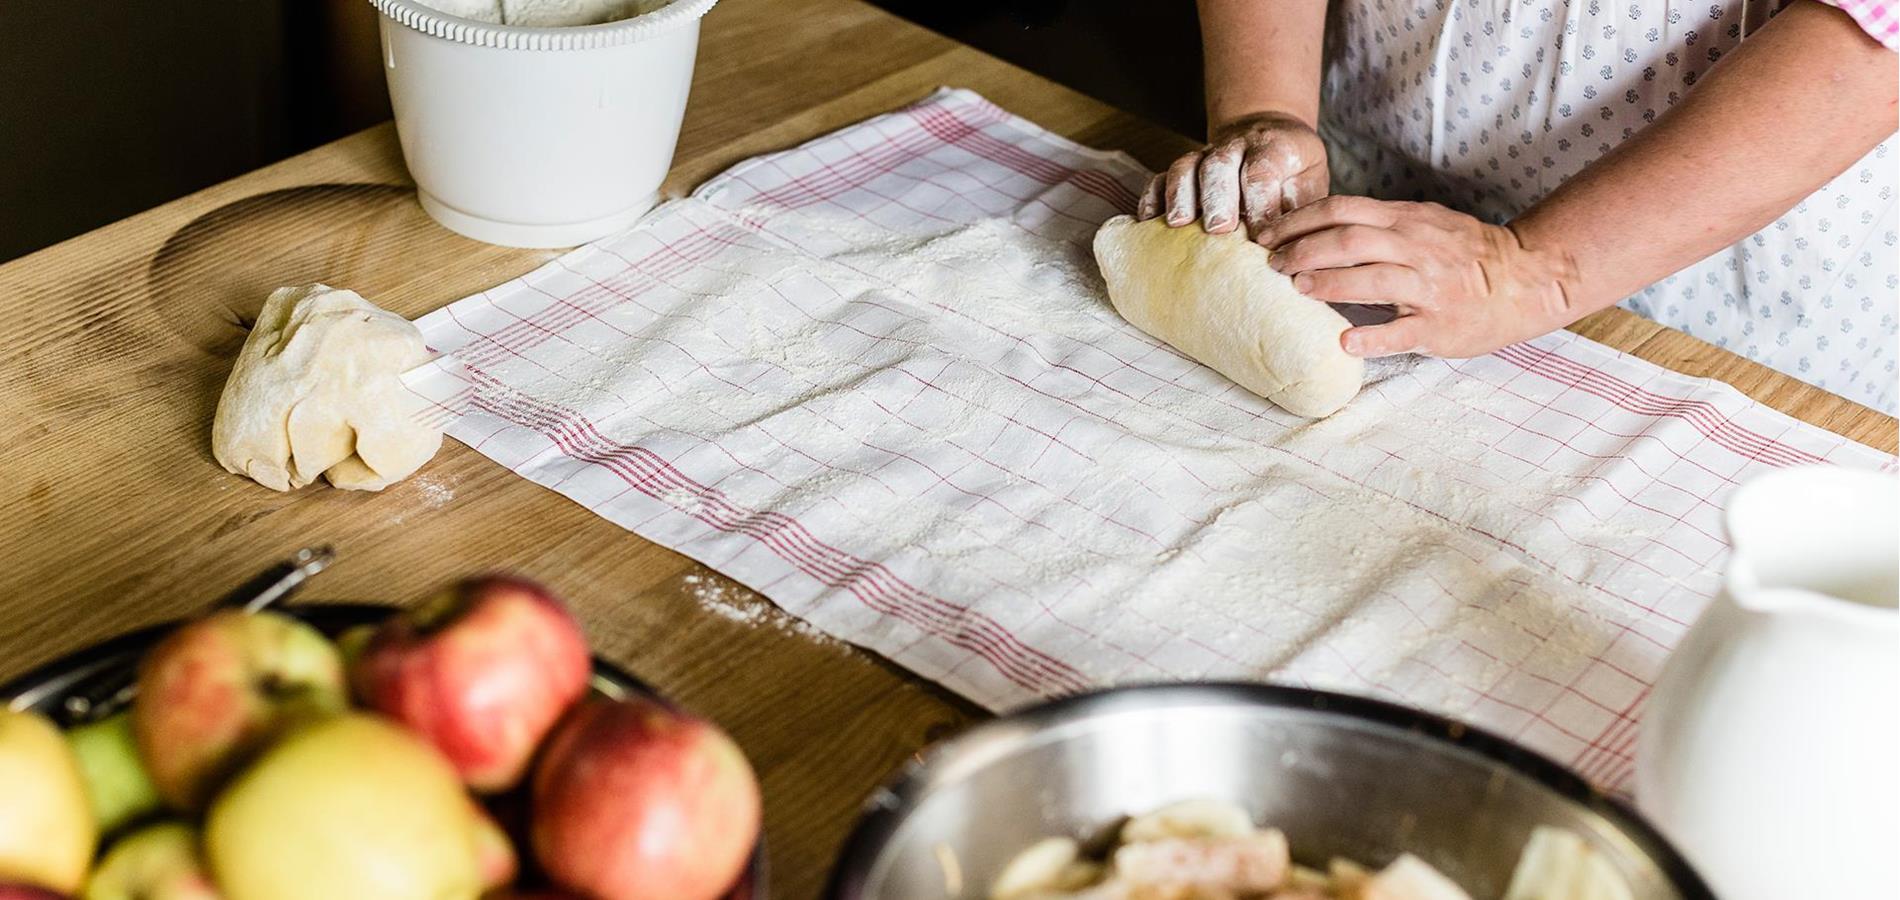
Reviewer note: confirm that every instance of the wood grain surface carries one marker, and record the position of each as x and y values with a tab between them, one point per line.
114	345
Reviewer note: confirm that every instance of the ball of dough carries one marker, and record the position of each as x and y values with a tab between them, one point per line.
1215	298
317	390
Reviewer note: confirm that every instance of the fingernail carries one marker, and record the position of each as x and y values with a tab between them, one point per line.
1303	282
1219	223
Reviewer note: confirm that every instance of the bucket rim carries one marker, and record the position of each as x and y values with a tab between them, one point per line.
420	17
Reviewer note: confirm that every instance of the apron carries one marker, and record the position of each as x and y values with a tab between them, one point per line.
1486	105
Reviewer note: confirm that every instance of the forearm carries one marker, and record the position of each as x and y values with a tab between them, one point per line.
1782	115
1262	56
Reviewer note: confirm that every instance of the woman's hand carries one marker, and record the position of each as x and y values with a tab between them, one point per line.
1461	287
1257	167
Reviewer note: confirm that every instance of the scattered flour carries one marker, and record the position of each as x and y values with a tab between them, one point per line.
733	603
435	492
718	596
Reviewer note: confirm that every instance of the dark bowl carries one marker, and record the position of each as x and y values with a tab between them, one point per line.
47	688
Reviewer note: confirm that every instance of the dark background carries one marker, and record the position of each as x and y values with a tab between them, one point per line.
112	107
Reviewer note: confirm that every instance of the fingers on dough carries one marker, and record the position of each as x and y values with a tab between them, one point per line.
1328	212
1220	187
1215	298
1178	192
1150	205
1383	284
1260	189
1342	246
1405	334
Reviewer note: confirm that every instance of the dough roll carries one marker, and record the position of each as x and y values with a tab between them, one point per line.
1215	298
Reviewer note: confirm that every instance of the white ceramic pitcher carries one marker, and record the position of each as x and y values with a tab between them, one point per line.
1770	751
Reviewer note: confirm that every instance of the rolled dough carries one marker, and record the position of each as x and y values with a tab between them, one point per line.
1215	298
317	390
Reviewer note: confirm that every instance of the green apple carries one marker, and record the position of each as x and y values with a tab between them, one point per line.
116	780
350	806
157	862
218	690
352	642
47	834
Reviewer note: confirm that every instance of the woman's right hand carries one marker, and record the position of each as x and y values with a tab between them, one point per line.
1257	167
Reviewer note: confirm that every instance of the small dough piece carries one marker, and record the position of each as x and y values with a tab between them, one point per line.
1558	864
1254	864
317	390
1215	298
1039	867
1410	878
1201	817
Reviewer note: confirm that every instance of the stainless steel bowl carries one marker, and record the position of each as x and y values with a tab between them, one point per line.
1342	776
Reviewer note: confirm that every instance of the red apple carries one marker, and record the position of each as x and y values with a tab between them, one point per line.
28	892
632	800
216	691
481	671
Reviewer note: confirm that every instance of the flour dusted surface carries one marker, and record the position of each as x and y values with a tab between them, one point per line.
875	379
1180	531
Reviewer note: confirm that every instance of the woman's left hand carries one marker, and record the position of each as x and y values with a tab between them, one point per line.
1461	287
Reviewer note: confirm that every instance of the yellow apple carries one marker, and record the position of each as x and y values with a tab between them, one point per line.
496	861
47	834
157	862
351	806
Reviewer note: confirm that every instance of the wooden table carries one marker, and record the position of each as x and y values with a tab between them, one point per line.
113	347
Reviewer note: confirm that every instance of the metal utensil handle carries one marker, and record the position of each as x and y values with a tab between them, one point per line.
279	581
111	690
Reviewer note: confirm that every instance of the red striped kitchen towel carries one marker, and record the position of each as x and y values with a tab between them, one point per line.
875	378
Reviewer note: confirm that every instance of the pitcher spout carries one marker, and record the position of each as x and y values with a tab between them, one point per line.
1817	541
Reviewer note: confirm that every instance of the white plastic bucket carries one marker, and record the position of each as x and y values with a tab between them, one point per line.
538	137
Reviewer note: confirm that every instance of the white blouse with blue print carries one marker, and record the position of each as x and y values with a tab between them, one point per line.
1487	105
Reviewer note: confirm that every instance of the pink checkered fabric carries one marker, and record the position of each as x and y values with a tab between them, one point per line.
904	452
1879	18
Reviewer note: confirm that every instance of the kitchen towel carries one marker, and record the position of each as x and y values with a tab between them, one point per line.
876	379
